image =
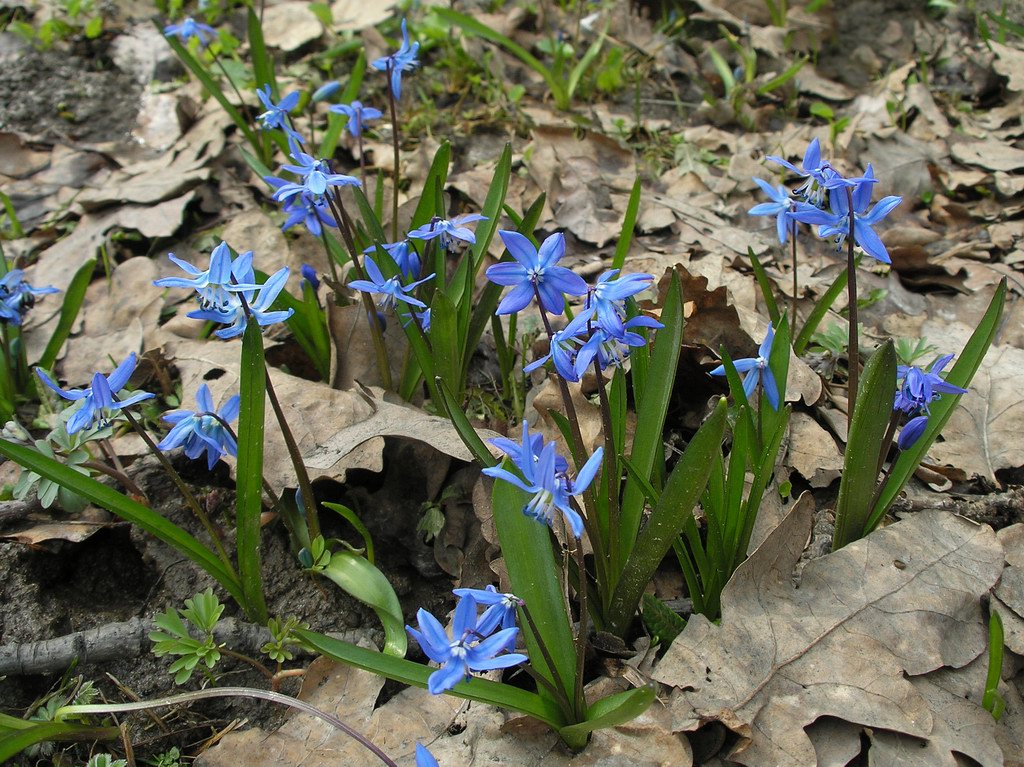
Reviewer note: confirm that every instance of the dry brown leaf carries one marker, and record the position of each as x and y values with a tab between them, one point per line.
356	15
989	154
290	26
18	160
983	433
812	451
1009	62
903	601
1008	595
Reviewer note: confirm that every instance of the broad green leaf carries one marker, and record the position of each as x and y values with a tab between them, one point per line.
73	298
249	502
683	489
581	67
766	286
651	411
262	61
437	178
18	734
992	701
353	519
626	235
537	579
127	509
611	711
416	675
462	425
444	343
356	576
860	464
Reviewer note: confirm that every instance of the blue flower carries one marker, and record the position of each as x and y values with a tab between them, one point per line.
527	450
97	400
424	758
912	432
921	388
403	60
189	28
563	345
781	206
316	176
837	223
448	231
820	175
326	90
278	115
17	296
500	608
404	255
551	489
390	290
358	116
309	210
535	272
757	369
610	346
610	293
466	650
214	285
258	298
203	431
309	275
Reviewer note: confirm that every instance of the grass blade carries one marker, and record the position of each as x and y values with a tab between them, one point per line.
628	224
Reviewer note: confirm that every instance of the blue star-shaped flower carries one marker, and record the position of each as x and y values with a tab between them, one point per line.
404	255
358	116
17	296
189	28
563	346
200	431
390	290
757	370
781	206
214	285
311	211
316	176
278	115
258	298
500	609
448	231
821	176
610	293
97	401
535	271
610	345
403	60
920	388
468	649
912	432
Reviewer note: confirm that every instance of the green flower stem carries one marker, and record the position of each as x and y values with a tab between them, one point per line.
251	661
394	144
345	225
179	483
851	289
65	712
335	281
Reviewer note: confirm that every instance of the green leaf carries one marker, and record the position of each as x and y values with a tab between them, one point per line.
663	624
581	67
992	701
628	223
356	576
961	374
462	425
818	312
249	503
611	711
437	178
536	579
860	464
416	675
68	313
127	509
353	519
682	491
262	61
444	343
18	734
651	410
766	287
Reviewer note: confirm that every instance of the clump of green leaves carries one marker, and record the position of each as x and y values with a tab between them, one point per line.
70	18
283	638
68	449
106	760
202	612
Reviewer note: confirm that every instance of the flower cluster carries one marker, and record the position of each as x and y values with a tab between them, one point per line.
473	645
919	389
402	60
825	186
545	475
17	297
227	293
99	403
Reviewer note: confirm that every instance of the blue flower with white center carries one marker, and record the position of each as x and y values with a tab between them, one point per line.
258	298
612	348
500	609
404	255
311	211
821	176
215	284
424	758
449	231
203	430
358	116
402	60
97	401
527	450
389	291
535	272
781	206
609	296
920	388
563	346
17	296
189	28
837	223
316	176
551	490
467	650
278	115
757	370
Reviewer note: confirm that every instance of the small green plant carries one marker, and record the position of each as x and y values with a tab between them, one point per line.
910	350
70	18
169	758
992	701
202	612
835	125
106	760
